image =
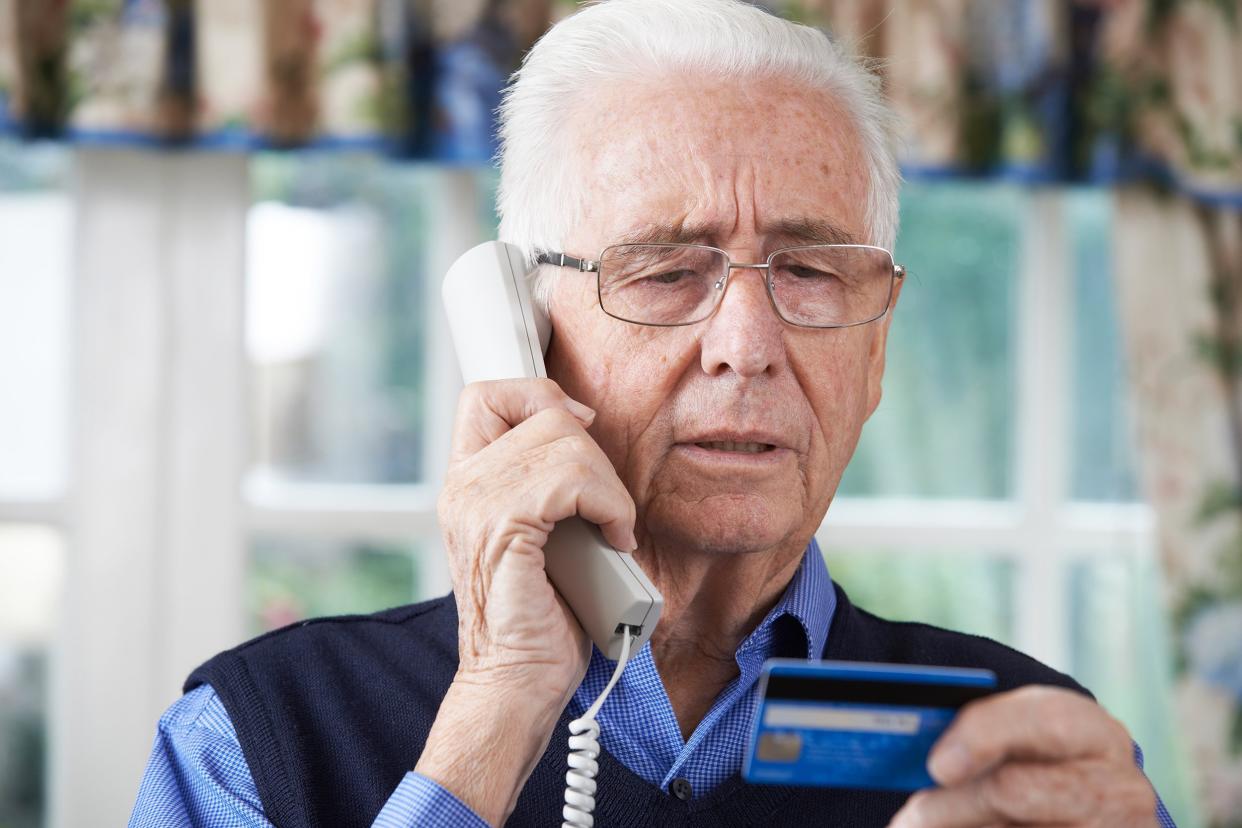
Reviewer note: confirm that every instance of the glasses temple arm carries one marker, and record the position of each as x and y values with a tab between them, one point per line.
562	260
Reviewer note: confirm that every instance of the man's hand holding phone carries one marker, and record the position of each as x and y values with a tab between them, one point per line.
521	461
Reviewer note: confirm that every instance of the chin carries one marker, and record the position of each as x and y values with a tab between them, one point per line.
725	524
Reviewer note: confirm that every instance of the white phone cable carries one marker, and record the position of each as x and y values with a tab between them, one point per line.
584	750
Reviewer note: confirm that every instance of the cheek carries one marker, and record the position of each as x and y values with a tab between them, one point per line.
578	358
835	377
633	423
622	371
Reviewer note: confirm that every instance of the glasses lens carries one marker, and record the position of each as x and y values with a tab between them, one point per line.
831	285
659	284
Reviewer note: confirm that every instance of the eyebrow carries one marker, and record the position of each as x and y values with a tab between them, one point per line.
669	233
788	231
810	231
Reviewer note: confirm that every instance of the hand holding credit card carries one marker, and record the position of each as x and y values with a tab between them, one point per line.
854	725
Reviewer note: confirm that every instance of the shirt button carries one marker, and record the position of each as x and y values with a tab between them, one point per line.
681	788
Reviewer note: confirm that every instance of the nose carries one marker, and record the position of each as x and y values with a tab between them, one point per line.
744	335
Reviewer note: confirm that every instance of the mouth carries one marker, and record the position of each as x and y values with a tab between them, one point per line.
734	456
735	446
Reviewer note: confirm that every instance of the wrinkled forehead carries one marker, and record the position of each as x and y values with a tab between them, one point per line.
766	160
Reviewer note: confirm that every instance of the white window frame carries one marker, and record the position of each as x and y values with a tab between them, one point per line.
158	542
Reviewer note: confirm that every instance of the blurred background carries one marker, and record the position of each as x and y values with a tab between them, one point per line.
226	388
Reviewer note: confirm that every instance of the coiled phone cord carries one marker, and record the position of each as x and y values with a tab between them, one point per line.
584	751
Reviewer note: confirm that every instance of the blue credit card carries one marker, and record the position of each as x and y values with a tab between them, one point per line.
846	724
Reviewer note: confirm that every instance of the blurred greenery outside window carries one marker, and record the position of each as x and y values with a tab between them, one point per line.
335	315
293	578
1119	653
964	590
36	227
944	428
32	560
336	321
1102	453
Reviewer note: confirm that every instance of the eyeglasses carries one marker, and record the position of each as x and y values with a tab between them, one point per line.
814	286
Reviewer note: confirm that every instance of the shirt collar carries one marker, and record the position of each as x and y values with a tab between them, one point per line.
810	600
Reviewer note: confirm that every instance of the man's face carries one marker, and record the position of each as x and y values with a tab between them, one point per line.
732	163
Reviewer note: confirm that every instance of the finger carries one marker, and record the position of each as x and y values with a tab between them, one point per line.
1017	792
1032	722
486	410
1034	793
539	431
544	470
572	475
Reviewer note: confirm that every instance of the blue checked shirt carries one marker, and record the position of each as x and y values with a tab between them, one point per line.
198	776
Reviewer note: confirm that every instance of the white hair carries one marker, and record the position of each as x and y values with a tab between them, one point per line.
540	199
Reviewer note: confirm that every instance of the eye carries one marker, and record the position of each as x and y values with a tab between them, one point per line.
809	273
671	277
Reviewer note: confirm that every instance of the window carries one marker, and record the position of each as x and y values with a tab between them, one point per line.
35	243
354	381
31	566
1102	455
294	577
944	426
994	490
35	235
336	317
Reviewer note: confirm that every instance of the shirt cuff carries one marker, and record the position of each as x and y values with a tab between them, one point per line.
418	801
1163	817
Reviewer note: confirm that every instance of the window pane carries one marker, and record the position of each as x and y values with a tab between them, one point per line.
1120	651
336	310
35	257
292	578
1102	453
965	591
943	428
31	571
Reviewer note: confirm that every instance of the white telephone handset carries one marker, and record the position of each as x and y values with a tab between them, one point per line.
499	333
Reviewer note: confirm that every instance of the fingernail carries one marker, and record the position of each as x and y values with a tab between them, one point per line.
949	763
582	412
633	543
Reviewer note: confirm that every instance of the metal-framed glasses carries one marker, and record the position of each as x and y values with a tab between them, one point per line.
813	286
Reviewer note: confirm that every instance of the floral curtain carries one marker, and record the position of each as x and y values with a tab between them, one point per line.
1173	74
1171	303
416	77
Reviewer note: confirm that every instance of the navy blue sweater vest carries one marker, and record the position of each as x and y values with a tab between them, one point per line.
331	713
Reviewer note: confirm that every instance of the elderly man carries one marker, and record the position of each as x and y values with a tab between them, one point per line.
701	411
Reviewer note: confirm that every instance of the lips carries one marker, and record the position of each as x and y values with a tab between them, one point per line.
732	445
742	440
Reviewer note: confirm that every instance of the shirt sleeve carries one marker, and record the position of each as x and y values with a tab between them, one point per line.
197	776
420	801
1162	813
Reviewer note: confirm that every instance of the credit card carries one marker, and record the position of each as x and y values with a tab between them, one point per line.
846	724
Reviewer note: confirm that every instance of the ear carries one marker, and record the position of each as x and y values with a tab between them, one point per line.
875	357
